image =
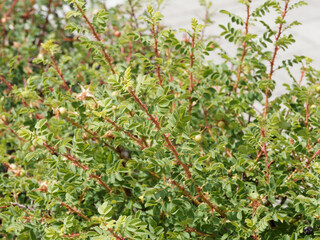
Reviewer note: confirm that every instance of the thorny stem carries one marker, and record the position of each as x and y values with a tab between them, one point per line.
191	74
97	37
11	8
189	229
210	204
156	51
244	48
68	156
264	148
119	128
307	122
115	235
9	85
78	164
272	62
181	188
166	136
60	74
175	153
22	206
96	136
205	113
73	235
186	193
303	71
133	16
135	20
102	183
313	157
74	210
11	130
5	17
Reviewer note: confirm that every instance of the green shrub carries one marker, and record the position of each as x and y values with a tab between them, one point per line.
114	128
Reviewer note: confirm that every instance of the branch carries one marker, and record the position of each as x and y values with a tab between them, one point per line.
175	153
165	136
210	204
191	75
11	130
74	210
276	49
119	128
244	48
60	74
96	136
186	193
9	85
5	16
313	157
189	229
78	164
156	51
115	235
97	37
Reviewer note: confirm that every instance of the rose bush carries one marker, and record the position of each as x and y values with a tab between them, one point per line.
114	128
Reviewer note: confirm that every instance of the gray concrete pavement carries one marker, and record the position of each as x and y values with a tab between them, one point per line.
178	14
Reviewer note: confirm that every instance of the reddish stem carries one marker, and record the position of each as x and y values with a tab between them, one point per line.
102	183
166	137
5	17
119	128
78	164
76	211
302	75
191	75
11	130
9	85
175	153
156	51
244	49
60	74
94	134
189	229
313	157
186	193
210	204
267	161
276	49
115	235
97	37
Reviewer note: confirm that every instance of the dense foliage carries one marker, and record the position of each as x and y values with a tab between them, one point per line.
111	127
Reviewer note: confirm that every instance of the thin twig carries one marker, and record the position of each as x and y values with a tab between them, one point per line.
74	210
244	48
97	37
191	74
165	136
9	85
65	86
272	62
